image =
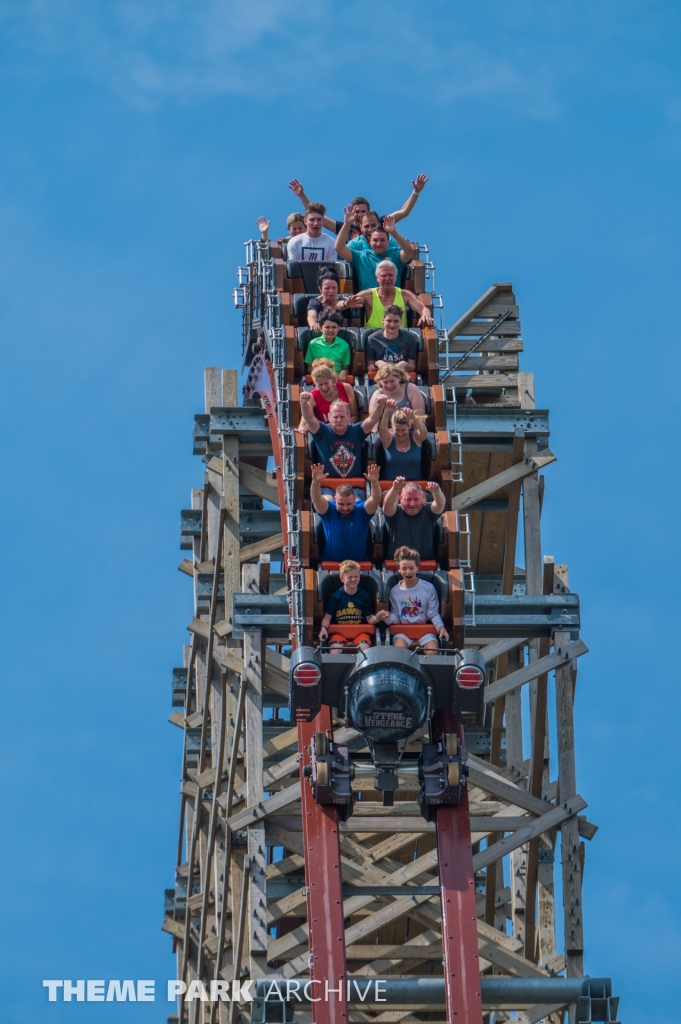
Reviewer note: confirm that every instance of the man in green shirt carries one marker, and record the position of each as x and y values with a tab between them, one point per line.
330	346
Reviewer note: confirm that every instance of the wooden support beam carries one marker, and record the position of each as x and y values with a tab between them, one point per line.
500	480
259	482
262	547
563	654
254	656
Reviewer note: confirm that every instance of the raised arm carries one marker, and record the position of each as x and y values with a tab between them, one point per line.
393	496
342	238
418	186
352	402
418	426
406	248
319	502
425	319
296	187
374	499
375	414
384	424
439	500
307	411
263	226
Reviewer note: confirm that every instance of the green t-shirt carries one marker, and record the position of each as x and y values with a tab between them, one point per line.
339	352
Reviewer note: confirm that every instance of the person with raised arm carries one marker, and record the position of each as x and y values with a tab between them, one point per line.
339	442
409	520
294	222
393	382
361	206
313	245
402	435
375	301
414	602
345	520
328	389
365	261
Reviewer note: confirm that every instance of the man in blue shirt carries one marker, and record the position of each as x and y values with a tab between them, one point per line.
345	521
365	260
339	442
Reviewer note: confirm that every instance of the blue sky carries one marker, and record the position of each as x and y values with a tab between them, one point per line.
139	142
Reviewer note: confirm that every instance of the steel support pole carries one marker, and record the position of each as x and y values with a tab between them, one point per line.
457	896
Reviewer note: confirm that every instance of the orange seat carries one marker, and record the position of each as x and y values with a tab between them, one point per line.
350	632
425	567
413	632
332	482
348	380
335	566
372	373
387	484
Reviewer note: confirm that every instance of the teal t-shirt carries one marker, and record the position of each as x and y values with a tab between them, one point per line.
365	262
339	352
361	243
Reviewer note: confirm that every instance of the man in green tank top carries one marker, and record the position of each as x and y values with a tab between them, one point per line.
375	301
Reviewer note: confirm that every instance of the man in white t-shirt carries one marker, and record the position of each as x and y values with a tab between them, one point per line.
313	245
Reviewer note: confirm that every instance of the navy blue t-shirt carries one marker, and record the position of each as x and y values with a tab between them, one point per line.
349	609
341	453
346	536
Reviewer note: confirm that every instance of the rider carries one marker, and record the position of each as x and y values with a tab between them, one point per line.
414	602
375	301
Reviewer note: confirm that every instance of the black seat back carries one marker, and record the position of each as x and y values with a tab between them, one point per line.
308	270
330	581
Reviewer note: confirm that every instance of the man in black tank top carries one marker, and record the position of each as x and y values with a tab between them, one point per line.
412	522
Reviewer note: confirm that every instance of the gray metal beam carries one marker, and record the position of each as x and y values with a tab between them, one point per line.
423	991
480	425
507	615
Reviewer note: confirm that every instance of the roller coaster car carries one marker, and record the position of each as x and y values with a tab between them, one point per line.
388	694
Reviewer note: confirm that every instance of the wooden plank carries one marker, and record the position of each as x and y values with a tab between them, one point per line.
499	647
489	487
490	560
571	860
402	952
230	491
254	656
526	390
259	482
186	566
482	381
559	657
492	345
199	627
177	718
473	329
552	819
262	547
490	362
496	293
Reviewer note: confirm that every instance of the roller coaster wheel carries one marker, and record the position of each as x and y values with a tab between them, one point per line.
321	744
451	744
453	774
322	772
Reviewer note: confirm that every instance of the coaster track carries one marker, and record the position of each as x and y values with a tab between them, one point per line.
450	900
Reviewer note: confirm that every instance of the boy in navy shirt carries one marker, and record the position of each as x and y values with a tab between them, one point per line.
350	605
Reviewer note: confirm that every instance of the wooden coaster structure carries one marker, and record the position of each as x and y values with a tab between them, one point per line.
271	884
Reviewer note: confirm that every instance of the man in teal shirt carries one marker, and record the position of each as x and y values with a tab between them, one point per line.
365	260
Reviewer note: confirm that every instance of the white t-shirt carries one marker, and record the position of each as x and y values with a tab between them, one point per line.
318	250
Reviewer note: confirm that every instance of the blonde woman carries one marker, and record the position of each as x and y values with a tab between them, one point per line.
328	389
394	383
402	435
